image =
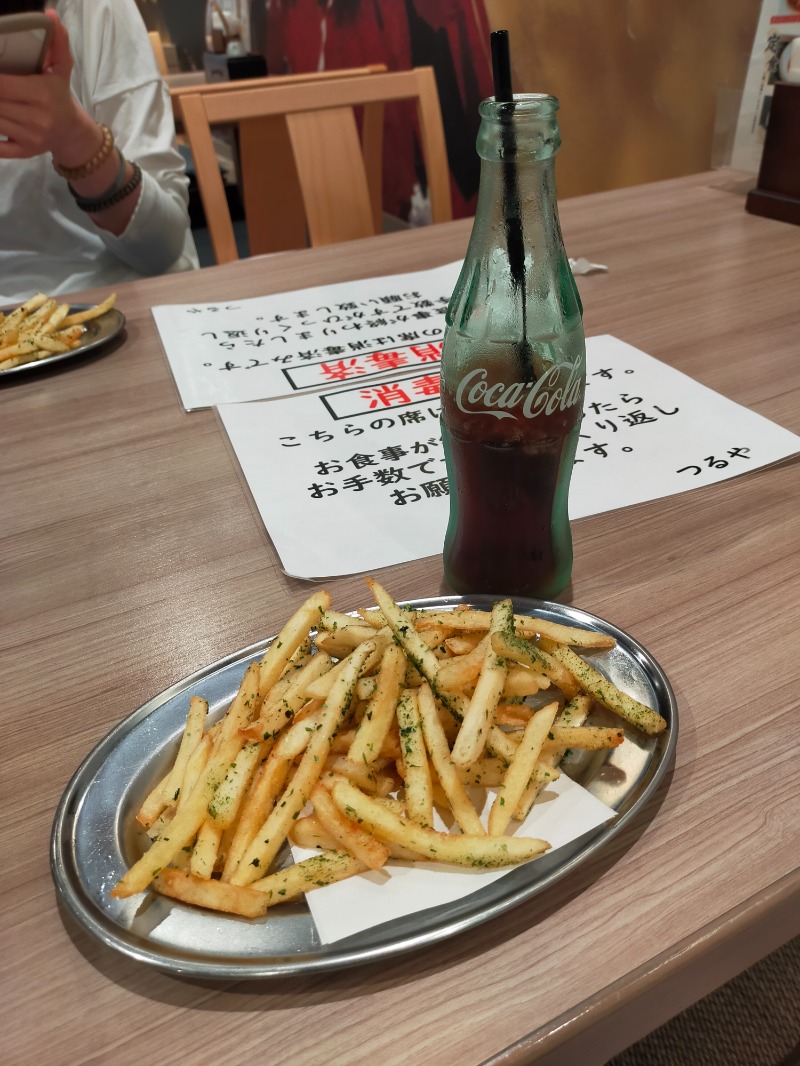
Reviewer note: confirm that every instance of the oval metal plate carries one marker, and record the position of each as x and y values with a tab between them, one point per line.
99	331
95	839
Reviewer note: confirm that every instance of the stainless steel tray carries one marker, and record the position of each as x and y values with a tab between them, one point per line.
99	331
95	839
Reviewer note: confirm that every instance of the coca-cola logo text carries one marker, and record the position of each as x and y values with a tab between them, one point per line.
560	387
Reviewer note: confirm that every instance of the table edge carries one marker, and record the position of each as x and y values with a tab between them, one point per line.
605	1024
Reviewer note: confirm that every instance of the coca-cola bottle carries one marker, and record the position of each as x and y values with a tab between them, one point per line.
513	368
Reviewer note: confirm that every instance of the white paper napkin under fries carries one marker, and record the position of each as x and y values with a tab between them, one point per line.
564	812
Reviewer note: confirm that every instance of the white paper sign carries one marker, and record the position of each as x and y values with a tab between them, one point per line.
778	25
295	342
355	480
563	812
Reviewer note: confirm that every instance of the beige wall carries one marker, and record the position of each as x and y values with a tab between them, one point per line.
639	80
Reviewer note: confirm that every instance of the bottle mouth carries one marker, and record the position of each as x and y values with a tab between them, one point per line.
525	128
524	105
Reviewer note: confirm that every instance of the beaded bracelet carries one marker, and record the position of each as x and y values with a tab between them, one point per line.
93	206
97	160
85	203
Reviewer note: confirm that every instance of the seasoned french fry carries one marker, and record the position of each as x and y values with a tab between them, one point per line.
352	631
521	769
419	654
308	832
287	696
416	772
320	688
516	715
367	778
524	625
575	712
293	634
47	346
192	814
161	823
588	737
13	318
93	312
501	745
215	895
462	850
314	872
390	745
463	670
436	743
509	646
602	690
520	681
194	768
203	858
224	806
256	807
464	643
401	624
480	711
350	836
273	832
379	715
191	737
154	804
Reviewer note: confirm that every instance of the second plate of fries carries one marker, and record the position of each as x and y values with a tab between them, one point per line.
45	330
352	734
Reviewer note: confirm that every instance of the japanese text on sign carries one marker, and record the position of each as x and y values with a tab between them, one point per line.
355	479
316	338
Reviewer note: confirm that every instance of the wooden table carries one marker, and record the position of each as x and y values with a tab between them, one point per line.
131	558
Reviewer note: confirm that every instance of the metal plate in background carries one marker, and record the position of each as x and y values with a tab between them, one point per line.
95	838
98	332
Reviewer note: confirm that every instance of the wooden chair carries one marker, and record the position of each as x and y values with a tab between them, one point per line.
319	163
271	175
158	51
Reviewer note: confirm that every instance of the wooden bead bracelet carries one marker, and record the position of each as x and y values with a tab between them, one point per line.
97	160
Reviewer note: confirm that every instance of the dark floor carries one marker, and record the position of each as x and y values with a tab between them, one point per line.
753	1020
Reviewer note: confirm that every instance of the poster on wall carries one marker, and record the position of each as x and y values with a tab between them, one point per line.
452	36
778	27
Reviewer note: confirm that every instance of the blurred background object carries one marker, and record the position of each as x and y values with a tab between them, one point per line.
648	91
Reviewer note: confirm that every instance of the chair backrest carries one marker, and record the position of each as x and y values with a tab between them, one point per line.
267	174
320	158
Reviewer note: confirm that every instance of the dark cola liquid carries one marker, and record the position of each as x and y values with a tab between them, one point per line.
509	530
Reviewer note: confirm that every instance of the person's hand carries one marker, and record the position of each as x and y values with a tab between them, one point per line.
38	112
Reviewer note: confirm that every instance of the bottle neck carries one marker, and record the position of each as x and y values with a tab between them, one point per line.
528	201
517	144
516	285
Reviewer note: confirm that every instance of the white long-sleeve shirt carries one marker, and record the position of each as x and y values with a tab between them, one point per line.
46	242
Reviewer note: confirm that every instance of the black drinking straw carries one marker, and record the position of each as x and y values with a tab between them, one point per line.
503	94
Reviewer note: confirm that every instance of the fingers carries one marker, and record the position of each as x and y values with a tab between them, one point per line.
11	150
59	58
27	128
16	88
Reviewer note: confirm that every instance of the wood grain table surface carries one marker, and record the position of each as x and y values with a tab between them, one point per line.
131	557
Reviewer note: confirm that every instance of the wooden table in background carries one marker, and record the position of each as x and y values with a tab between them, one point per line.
132	557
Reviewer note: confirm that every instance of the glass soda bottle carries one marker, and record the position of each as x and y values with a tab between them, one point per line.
513	368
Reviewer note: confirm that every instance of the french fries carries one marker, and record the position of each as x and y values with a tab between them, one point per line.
41	328
358	736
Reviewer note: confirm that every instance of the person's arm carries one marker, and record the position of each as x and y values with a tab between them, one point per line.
39	114
115	84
